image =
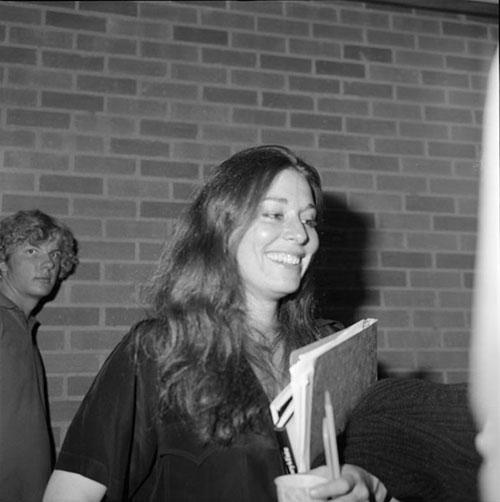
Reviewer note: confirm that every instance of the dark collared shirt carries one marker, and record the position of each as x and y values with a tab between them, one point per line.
25	437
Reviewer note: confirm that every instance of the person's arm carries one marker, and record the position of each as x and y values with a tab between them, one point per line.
354	485
67	486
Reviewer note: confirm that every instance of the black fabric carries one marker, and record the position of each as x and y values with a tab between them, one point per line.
25	435
417	437
117	439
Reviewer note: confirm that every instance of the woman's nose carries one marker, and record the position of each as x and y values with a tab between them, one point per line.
295	230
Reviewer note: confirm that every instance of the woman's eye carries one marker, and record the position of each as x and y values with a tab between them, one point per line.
272	215
310	223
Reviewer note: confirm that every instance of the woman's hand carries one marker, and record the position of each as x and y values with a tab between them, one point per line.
354	485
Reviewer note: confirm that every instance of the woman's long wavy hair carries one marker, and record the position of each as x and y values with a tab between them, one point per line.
201	330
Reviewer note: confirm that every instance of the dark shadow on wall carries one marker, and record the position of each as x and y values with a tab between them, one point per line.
340	263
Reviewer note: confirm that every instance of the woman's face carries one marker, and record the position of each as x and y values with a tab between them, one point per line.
275	251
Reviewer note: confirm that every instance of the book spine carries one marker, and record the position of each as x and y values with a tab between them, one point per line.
286	451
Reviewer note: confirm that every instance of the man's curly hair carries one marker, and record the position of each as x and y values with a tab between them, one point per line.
35	227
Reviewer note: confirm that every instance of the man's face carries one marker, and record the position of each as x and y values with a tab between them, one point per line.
30	272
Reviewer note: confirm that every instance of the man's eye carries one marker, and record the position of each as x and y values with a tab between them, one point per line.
31	250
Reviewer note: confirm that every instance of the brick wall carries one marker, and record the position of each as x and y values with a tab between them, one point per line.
111	113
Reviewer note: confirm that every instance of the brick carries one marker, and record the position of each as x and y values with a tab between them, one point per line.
370	126
71	184
136	107
465	98
441	44
282	26
34	118
419	59
39	78
14	181
150	251
40	37
153	209
338	32
414	340
353	70
79	385
343	106
86	271
435	279
423	130
137	67
341	180
415	24
122	316
168	90
393	74
41	161
316	121
363	53
138	229
402	259
457	339
72	101
367	90
454	260
316	85
179	52
445	79
109	45
147	148
420	94
258	42
386	278
104	208
460	63
375	201
375	163
172	12
311	12
72	142
441	149
399	146
390	38
123	8
315	48
101	339
101	293
455	223
432	241
72	61
122	187
200	35
443	359
169	169
430	204
17	97
17	55
259	117
396	110
50	205
168	129
233	133
139	29
287	101
50	340
287	64
455	299
267	8
68	316
295	139
414	298
235	96
344	142
200	112
404	184
433	167
184	191
17	138
106	84
105	250
17	14
228	57
227	20
75	21
197	73
466	134
364	18
107	125
464	30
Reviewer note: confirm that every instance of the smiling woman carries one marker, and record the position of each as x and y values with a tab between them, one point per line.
180	410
